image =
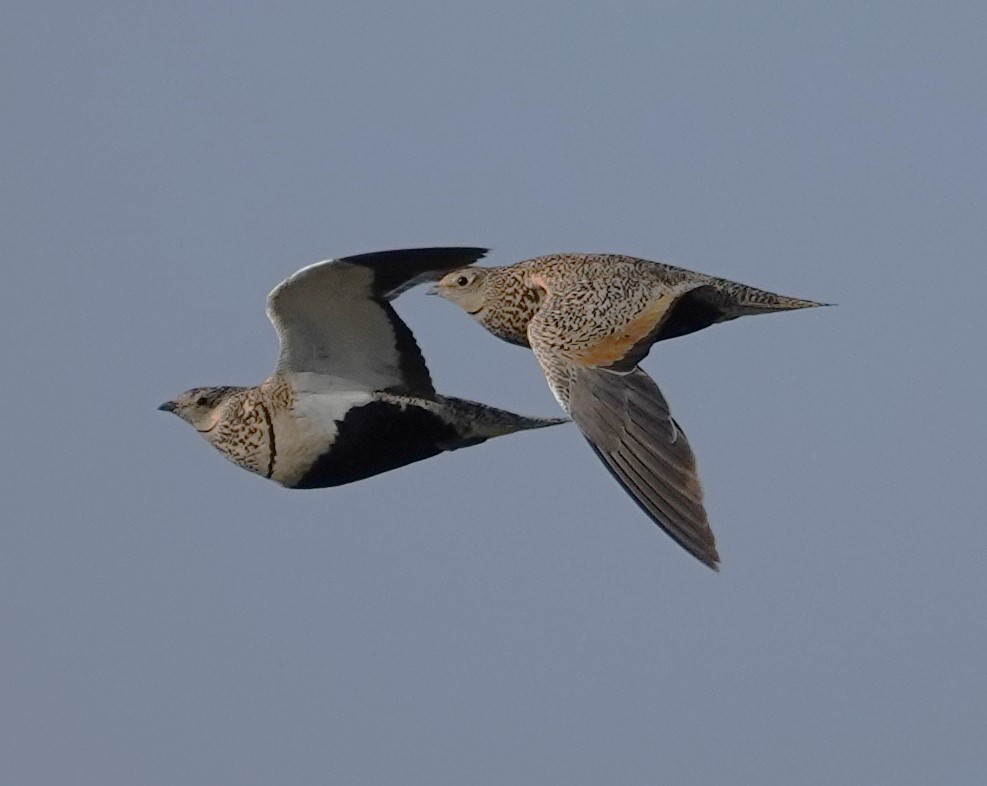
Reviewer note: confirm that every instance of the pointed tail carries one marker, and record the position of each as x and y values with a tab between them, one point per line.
740	300
480	421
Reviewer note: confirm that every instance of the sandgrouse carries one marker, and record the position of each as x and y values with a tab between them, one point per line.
351	395
590	319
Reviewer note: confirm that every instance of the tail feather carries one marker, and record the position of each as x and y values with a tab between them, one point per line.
481	421
741	300
719	300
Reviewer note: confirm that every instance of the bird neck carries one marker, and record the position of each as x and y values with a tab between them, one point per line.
244	433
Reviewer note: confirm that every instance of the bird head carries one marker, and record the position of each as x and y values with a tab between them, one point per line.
465	287
200	407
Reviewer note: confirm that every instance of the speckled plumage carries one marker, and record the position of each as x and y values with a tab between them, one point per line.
590	319
351	395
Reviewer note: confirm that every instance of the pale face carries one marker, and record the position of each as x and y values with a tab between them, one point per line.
465	288
200	407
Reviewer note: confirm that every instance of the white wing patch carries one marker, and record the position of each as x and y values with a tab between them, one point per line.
309	430
329	325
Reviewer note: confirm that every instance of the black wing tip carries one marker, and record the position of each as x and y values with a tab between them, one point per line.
400	269
467	255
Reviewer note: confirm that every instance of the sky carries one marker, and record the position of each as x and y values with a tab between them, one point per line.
504	614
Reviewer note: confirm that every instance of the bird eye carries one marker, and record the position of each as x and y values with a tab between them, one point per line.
201	401
462	281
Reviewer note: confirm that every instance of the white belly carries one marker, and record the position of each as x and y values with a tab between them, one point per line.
309	429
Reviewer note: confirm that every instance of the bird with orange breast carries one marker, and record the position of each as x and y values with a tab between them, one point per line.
590	319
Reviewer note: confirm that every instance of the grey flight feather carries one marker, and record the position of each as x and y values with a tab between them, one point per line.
626	420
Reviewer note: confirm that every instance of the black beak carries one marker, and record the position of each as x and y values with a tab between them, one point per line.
168	406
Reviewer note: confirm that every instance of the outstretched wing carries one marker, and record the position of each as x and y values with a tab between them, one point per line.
334	318
626	421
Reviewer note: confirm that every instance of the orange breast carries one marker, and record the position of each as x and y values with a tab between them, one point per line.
615	346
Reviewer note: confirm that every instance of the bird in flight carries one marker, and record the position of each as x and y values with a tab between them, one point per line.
351	395
591	319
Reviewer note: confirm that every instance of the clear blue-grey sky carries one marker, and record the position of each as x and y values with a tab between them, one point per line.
503	615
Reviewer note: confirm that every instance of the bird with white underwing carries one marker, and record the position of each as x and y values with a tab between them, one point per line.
351	396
